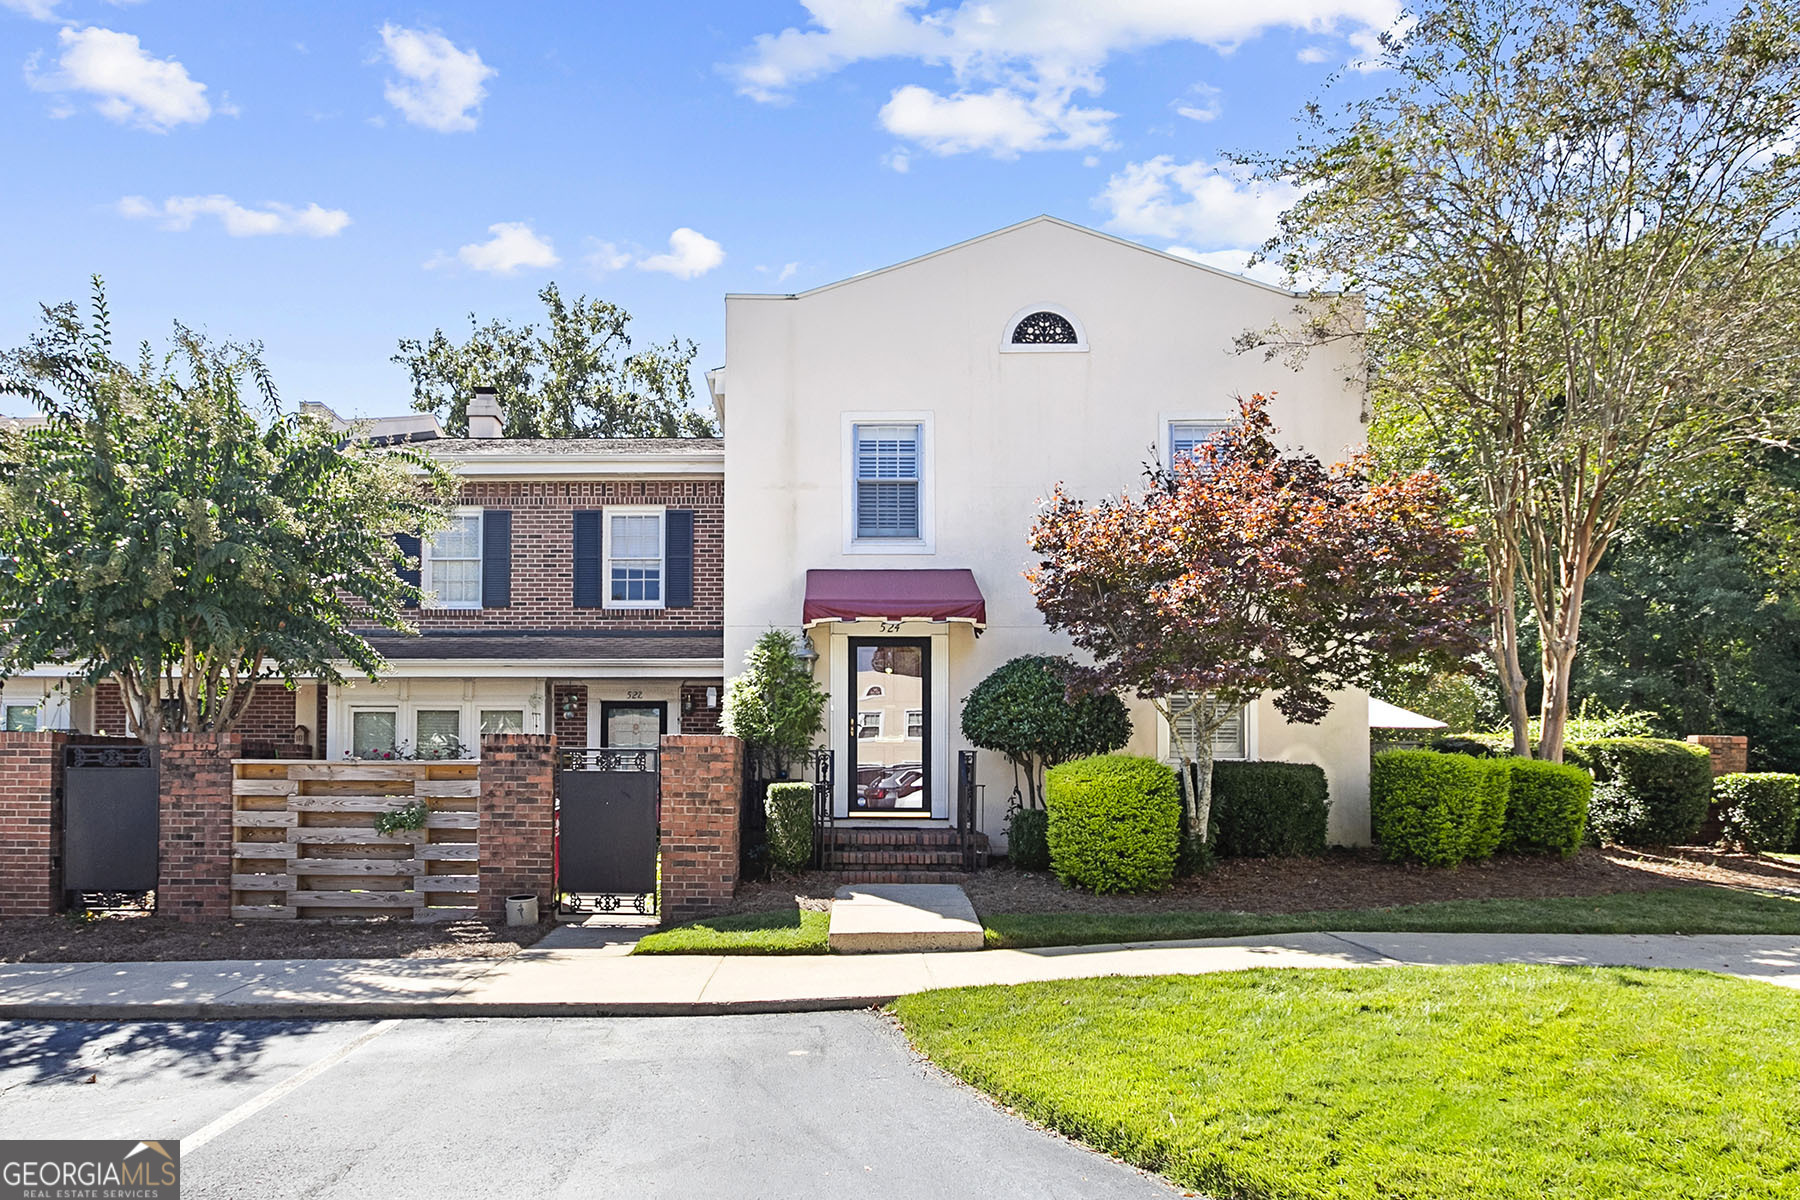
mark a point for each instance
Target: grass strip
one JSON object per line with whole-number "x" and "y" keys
{"x": 779, "y": 931}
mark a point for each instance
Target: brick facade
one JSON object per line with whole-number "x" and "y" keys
{"x": 1730, "y": 752}
{"x": 570, "y": 730}
{"x": 518, "y": 820}
{"x": 543, "y": 570}
{"x": 31, "y": 823}
{"x": 269, "y": 721}
{"x": 194, "y": 879}
{"x": 702, "y": 786}
{"x": 696, "y": 715}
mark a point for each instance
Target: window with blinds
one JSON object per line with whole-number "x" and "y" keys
{"x": 1228, "y": 740}
{"x": 453, "y": 563}
{"x": 1185, "y": 435}
{"x": 887, "y": 481}
{"x": 634, "y": 559}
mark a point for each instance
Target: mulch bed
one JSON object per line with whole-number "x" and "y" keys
{"x": 142, "y": 938}
{"x": 1340, "y": 879}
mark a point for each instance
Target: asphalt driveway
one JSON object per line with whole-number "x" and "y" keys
{"x": 822, "y": 1104}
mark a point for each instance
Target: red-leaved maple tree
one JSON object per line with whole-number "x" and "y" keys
{"x": 1247, "y": 571}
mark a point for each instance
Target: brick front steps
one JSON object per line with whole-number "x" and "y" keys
{"x": 889, "y": 855}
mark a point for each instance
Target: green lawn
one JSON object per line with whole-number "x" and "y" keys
{"x": 782, "y": 931}
{"x": 1500, "y": 1082}
{"x": 1671, "y": 910}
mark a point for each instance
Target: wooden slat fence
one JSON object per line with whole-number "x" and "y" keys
{"x": 305, "y": 843}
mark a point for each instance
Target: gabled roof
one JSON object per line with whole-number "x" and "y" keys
{"x": 1037, "y": 220}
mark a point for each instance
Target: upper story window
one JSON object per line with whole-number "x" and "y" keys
{"x": 1185, "y": 435}
{"x": 887, "y": 459}
{"x": 452, "y": 562}
{"x": 634, "y": 559}
{"x": 1043, "y": 327}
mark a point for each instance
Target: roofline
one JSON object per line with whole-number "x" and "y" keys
{"x": 563, "y": 466}
{"x": 1114, "y": 238}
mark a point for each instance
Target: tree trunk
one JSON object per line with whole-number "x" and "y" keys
{"x": 1200, "y": 818}
{"x": 1502, "y": 592}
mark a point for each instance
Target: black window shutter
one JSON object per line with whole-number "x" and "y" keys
{"x": 496, "y": 558}
{"x": 409, "y": 546}
{"x": 678, "y": 558}
{"x": 587, "y": 559}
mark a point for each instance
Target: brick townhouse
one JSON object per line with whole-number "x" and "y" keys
{"x": 578, "y": 589}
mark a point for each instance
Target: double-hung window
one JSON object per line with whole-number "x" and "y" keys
{"x": 634, "y": 559}
{"x": 1229, "y": 741}
{"x": 452, "y": 563}
{"x": 886, "y": 459}
{"x": 1185, "y": 435}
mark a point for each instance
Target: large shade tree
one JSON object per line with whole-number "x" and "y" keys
{"x": 1247, "y": 571}
{"x": 1566, "y": 234}
{"x": 576, "y": 376}
{"x": 164, "y": 527}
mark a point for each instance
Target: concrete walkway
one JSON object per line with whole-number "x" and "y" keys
{"x": 599, "y": 981}
{"x": 885, "y": 918}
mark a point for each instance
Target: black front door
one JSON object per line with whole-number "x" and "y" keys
{"x": 633, "y": 724}
{"x": 890, "y": 727}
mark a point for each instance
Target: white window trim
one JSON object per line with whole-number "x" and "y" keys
{"x": 880, "y": 724}
{"x": 1165, "y": 444}
{"x": 37, "y": 708}
{"x": 926, "y": 542}
{"x": 425, "y": 581}
{"x": 660, "y": 512}
{"x": 1078, "y": 346}
{"x": 1165, "y": 739}
{"x": 910, "y": 714}
{"x": 350, "y": 723}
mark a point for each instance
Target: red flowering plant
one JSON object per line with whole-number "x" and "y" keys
{"x": 1244, "y": 570}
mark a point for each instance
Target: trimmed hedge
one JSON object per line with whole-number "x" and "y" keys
{"x": 1546, "y": 806}
{"x": 790, "y": 811}
{"x": 1028, "y": 839}
{"x": 1647, "y": 791}
{"x": 1757, "y": 811}
{"x": 1114, "y": 821}
{"x": 1268, "y": 809}
{"x": 1438, "y": 809}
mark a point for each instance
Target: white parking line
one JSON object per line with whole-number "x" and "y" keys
{"x": 263, "y": 1099}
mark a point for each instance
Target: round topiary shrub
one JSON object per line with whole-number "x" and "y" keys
{"x": 1024, "y": 710}
{"x": 1028, "y": 839}
{"x": 789, "y": 807}
{"x": 1114, "y": 822}
{"x": 1546, "y": 807}
{"x": 1647, "y": 791}
{"x": 1268, "y": 809}
{"x": 1757, "y": 811}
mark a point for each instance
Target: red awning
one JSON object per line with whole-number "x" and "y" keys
{"x": 905, "y": 595}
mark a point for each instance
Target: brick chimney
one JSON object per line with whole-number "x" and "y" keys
{"x": 484, "y": 414}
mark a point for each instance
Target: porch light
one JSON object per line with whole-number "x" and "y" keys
{"x": 805, "y": 653}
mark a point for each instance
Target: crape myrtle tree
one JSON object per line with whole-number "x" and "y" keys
{"x": 577, "y": 376}
{"x": 1565, "y": 235}
{"x": 1245, "y": 571}
{"x": 165, "y": 528}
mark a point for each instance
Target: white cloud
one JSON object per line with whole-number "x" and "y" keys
{"x": 440, "y": 86}
{"x": 180, "y": 213}
{"x": 602, "y": 257}
{"x": 897, "y": 160}
{"x": 37, "y": 10}
{"x": 691, "y": 255}
{"x": 1017, "y": 64}
{"x": 1216, "y": 204}
{"x": 1235, "y": 261}
{"x": 1002, "y": 122}
{"x": 787, "y": 272}
{"x": 129, "y": 86}
{"x": 513, "y": 245}
{"x": 1203, "y": 104}
{"x": 1313, "y": 54}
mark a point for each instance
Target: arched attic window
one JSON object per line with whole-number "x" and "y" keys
{"x": 1043, "y": 327}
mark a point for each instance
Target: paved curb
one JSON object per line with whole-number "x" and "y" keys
{"x": 381, "y": 1010}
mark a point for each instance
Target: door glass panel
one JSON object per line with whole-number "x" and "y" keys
{"x": 634, "y": 727}
{"x": 890, "y": 727}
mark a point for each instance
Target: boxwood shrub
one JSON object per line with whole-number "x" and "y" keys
{"x": 1757, "y": 811}
{"x": 1114, "y": 821}
{"x": 1546, "y": 806}
{"x": 1647, "y": 791}
{"x": 1028, "y": 839}
{"x": 790, "y": 811}
{"x": 1438, "y": 809}
{"x": 1268, "y": 809}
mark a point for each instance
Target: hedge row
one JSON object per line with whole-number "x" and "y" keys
{"x": 789, "y": 808}
{"x": 1757, "y": 811}
{"x": 1444, "y": 809}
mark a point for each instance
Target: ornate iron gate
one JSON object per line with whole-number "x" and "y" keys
{"x": 607, "y": 808}
{"x": 110, "y": 820}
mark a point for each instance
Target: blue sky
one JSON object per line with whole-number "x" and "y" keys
{"x": 330, "y": 177}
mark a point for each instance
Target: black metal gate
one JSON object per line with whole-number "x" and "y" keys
{"x": 607, "y": 809}
{"x": 110, "y": 821}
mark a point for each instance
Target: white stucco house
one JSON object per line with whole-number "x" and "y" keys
{"x": 888, "y": 439}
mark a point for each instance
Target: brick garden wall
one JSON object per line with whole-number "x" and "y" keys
{"x": 1730, "y": 752}
{"x": 702, "y": 782}
{"x": 194, "y": 879}
{"x": 31, "y": 823}
{"x": 518, "y": 792}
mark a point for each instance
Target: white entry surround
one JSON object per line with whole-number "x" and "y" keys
{"x": 927, "y": 344}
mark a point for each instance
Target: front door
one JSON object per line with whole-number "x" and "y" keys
{"x": 633, "y": 724}
{"x": 890, "y": 727}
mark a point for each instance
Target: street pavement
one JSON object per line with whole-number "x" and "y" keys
{"x": 830, "y": 1104}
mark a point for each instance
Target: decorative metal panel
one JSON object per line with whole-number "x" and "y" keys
{"x": 1044, "y": 328}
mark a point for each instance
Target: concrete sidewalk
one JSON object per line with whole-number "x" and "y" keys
{"x": 603, "y": 982}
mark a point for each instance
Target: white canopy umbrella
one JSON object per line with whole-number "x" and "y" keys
{"x": 1383, "y": 715}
